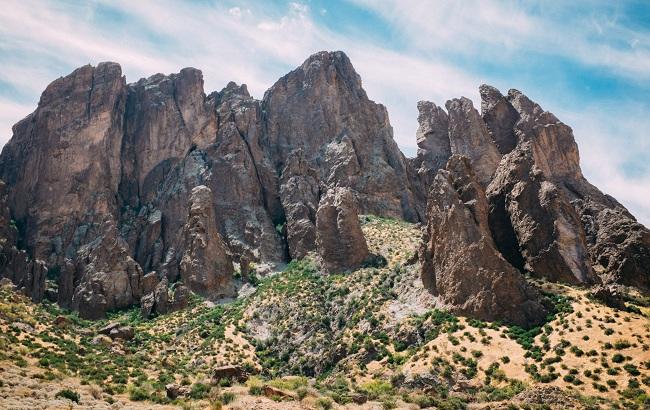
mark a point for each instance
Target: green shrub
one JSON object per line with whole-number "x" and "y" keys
{"x": 324, "y": 403}
{"x": 227, "y": 397}
{"x": 199, "y": 391}
{"x": 68, "y": 394}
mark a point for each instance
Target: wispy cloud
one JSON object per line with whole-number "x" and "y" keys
{"x": 415, "y": 50}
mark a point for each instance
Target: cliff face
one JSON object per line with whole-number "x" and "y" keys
{"x": 544, "y": 217}
{"x": 101, "y": 180}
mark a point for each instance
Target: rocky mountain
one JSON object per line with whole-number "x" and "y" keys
{"x": 135, "y": 193}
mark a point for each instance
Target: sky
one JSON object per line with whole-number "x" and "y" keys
{"x": 587, "y": 61}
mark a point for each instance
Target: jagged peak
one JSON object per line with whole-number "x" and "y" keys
{"x": 456, "y": 104}
{"x": 490, "y": 96}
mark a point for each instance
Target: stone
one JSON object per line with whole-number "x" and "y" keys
{"x": 232, "y": 372}
{"x": 339, "y": 238}
{"x": 15, "y": 264}
{"x": 116, "y": 331}
{"x": 102, "y": 340}
{"x": 63, "y": 162}
{"x": 610, "y": 295}
{"x": 500, "y": 117}
{"x": 619, "y": 246}
{"x": 61, "y": 321}
{"x": 206, "y": 266}
{"x": 322, "y": 109}
{"x": 460, "y": 262}
{"x": 275, "y": 393}
{"x": 175, "y": 391}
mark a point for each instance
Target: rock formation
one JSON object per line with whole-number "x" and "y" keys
{"x": 340, "y": 241}
{"x": 548, "y": 231}
{"x": 108, "y": 277}
{"x": 28, "y": 275}
{"x": 322, "y": 109}
{"x": 460, "y": 261}
{"x": 206, "y": 267}
{"x": 432, "y": 137}
{"x": 99, "y": 177}
{"x": 300, "y": 193}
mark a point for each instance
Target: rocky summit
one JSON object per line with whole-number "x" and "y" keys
{"x": 213, "y": 248}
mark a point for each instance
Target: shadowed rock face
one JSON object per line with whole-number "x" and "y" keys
{"x": 28, "y": 275}
{"x": 340, "y": 241}
{"x": 547, "y": 229}
{"x": 462, "y": 265}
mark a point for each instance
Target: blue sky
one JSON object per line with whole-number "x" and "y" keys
{"x": 588, "y": 62}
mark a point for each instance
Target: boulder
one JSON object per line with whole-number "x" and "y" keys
{"x": 339, "y": 238}
{"x": 232, "y": 372}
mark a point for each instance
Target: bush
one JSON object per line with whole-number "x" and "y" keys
{"x": 138, "y": 394}
{"x": 68, "y": 394}
{"x": 227, "y": 397}
{"x": 324, "y": 403}
{"x": 199, "y": 391}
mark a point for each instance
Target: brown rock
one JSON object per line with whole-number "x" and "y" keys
{"x": 322, "y": 109}
{"x": 548, "y": 231}
{"x": 109, "y": 277}
{"x": 460, "y": 262}
{"x": 274, "y": 392}
{"x": 432, "y": 136}
{"x": 299, "y": 191}
{"x": 231, "y": 372}
{"x": 500, "y": 117}
{"x": 206, "y": 267}
{"x": 175, "y": 391}
{"x": 610, "y": 295}
{"x": 15, "y": 265}
{"x": 340, "y": 241}
{"x": 63, "y": 162}
{"x": 469, "y": 136}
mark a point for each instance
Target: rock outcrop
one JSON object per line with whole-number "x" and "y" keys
{"x": 206, "y": 266}
{"x": 15, "y": 264}
{"x": 432, "y": 137}
{"x": 460, "y": 261}
{"x": 468, "y": 136}
{"x": 340, "y": 241}
{"x": 322, "y": 109}
{"x": 300, "y": 193}
{"x": 546, "y": 227}
{"x": 63, "y": 163}
{"x": 109, "y": 278}
{"x": 100, "y": 175}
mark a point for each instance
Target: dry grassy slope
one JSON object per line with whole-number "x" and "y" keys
{"x": 371, "y": 333}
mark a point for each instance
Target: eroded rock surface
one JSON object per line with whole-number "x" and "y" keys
{"x": 340, "y": 241}
{"x": 206, "y": 266}
{"x": 460, "y": 261}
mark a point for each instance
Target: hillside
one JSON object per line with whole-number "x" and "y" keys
{"x": 373, "y": 335}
